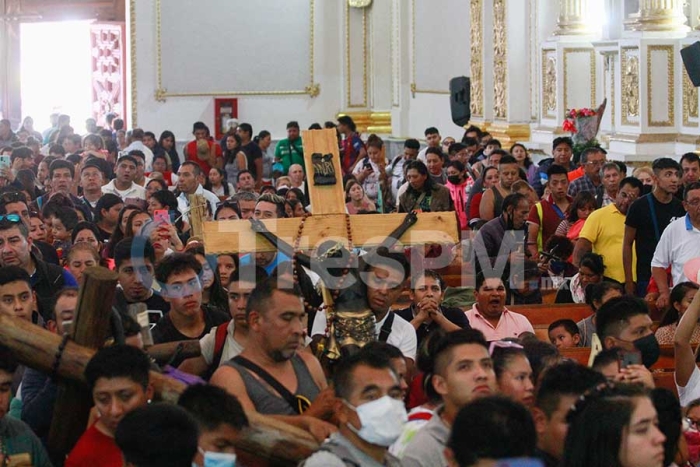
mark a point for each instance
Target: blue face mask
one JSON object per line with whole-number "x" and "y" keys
{"x": 217, "y": 459}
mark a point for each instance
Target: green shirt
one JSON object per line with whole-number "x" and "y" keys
{"x": 290, "y": 153}
{"x": 18, "y": 438}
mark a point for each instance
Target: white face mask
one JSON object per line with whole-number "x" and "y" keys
{"x": 382, "y": 420}
{"x": 217, "y": 459}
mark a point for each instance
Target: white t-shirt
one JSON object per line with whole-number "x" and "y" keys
{"x": 691, "y": 391}
{"x": 679, "y": 243}
{"x": 403, "y": 335}
{"x": 231, "y": 346}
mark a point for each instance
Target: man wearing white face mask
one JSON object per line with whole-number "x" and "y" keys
{"x": 370, "y": 412}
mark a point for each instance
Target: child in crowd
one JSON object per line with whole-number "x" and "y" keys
{"x": 62, "y": 224}
{"x": 564, "y": 334}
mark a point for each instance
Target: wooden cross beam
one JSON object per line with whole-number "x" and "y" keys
{"x": 266, "y": 439}
{"x": 328, "y": 209}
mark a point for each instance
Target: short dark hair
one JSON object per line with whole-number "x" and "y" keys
{"x": 67, "y": 216}
{"x": 391, "y": 351}
{"x": 57, "y": 149}
{"x": 506, "y": 159}
{"x": 614, "y": 315}
{"x": 689, "y": 188}
{"x": 195, "y": 167}
{"x": 255, "y": 274}
{"x": 165, "y": 198}
{"x": 136, "y": 153}
{"x": 343, "y": 380}
{"x": 470, "y": 141}
{"x": 605, "y": 358}
{"x": 442, "y": 344}
{"x": 436, "y": 151}
{"x": 9, "y": 274}
{"x": 431, "y": 130}
{"x": 483, "y": 275}
{"x": 348, "y": 121}
{"x": 176, "y": 263}
{"x": 664, "y": 163}
{"x": 212, "y": 407}
{"x": 555, "y": 169}
{"x": 261, "y": 295}
{"x": 127, "y": 158}
{"x": 158, "y": 435}
{"x": 512, "y": 200}
{"x": 493, "y": 427}
{"x": 454, "y": 148}
{"x": 456, "y": 164}
{"x": 595, "y": 292}
{"x": 199, "y": 126}
{"x": 567, "y": 378}
{"x": 562, "y": 140}
{"x": 383, "y": 257}
{"x": 277, "y": 200}
{"x": 8, "y": 362}
{"x": 124, "y": 250}
{"x": 22, "y": 152}
{"x": 118, "y": 361}
{"x": 106, "y": 202}
{"x": 690, "y": 157}
{"x": 569, "y": 326}
{"x": 7, "y": 224}
{"x": 293, "y": 124}
{"x": 61, "y": 164}
{"x": 244, "y": 171}
{"x": 634, "y": 182}
{"x": 411, "y": 144}
{"x": 427, "y": 273}
{"x": 247, "y": 127}
{"x": 594, "y": 262}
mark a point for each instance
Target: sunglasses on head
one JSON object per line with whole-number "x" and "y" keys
{"x": 11, "y": 218}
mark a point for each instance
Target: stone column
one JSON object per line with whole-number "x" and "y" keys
{"x": 572, "y": 18}
{"x": 659, "y": 15}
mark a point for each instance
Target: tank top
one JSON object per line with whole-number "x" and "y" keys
{"x": 268, "y": 403}
{"x": 497, "y": 202}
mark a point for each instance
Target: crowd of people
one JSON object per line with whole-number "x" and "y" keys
{"x": 425, "y": 378}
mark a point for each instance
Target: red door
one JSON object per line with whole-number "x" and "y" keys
{"x": 107, "y": 41}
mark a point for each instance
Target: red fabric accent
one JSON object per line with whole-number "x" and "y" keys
{"x": 420, "y": 416}
{"x": 416, "y": 395}
{"x": 576, "y": 174}
{"x": 191, "y": 154}
{"x": 474, "y": 206}
{"x": 95, "y": 449}
{"x": 219, "y": 342}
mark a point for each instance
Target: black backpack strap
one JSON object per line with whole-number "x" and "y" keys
{"x": 269, "y": 379}
{"x": 386, "y": 327}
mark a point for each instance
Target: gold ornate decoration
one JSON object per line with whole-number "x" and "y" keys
{"x": 509, "y": 133}
{"x": 592, "y": 73}
{"x": 132, "y": 62}
{"x": 359, "y": 3}
{"x": 629, "y": 64}
{"x": 414, "y": 87}
{"x": 656, "y": 15}
{"x": 690, "y": 102}
{"x": 549, "y": 83}
{"x": 571, "y": 20}
{"x": 500, "y": 61}
{"x": 612, "y": 90}
{"x": 161, "y": 93}
{"x": 670, "y": 109}
{"x": 370, "y": 122}
{"x": 348, "y": 75}
{"x": 476, "y": 67}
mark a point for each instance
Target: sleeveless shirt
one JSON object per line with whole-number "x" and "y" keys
{"x": 269, "y": 403}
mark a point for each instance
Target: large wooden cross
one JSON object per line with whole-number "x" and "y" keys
{"x": 328, "y": 219}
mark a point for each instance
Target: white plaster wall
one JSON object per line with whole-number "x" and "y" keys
{"x": 262, "y": 112}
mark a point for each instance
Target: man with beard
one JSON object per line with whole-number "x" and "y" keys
{"x": 272, "y": 376}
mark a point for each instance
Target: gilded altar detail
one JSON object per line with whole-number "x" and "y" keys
{"x": 549, "y": 83}
{"x": 690, "y": 102}
{"x": 630, "y": 85}
{"x": 500, "y": 62}
{"x": 476, "y": 67}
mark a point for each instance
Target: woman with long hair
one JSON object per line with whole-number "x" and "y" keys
{"x": 614, "y": 426}
{"x": 582, "y": 206}
{"x": 217, "y": 184}
{"x": 490, "y": 178}
{"x": 167, "y": 142}
{"x": 355, "y": 198}
{"x": 234, "y": 159}
{"x": 679, "y": 301}
{"x": 119, "y": 231}
{"x": 264, "y": 142}
{"x": 521, "y": 155}
{"x": 590, "y": 271}
{"x": 513, "y": 372}
{"x": 213, "y": 294}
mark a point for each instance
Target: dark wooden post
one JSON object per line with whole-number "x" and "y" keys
{"x": 91, "y": 328}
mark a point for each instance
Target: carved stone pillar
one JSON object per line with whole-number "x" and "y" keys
{"x": 659, "y": 15}
{"x": 572, "y": 18}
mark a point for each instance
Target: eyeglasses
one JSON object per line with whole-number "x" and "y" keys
{"x": 503, "y": 345}
{"x": 11, "y": 218}
{"x": 596, "y": 163}
{"x": 694, "y": 203}
{"x": 694, "y": 424}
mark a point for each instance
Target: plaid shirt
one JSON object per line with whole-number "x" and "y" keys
{"x": 580, "y": 185}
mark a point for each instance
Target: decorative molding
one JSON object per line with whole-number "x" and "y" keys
{"x": 655, "y": 15}
{"x": 670, "y": 109}
{"x": 549, "y": 83}
{"x": 629, "y": 74}
{"x": 395, "y": 54}
{"x": 348, "y": 75}
{"x": 509, "y": 133}
{"x": 690, "y": 102}
{"x": 532, "y": 60}
{"x": 368, "y": 121}
{"x": 645, "y": 138}
{"x": 500, "y": 61}
{"x": 132, "y": 64}
{"x": 571, "y": 20}
{"x": 414, "y": 87}
{"x": 477, "y": 65}
{"x": 161, "y": 94}
{"x": 592, "y": 73}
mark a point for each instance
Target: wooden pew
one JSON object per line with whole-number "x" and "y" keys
{"x": 665, "y": 363}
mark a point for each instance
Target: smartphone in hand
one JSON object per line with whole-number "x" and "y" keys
{"x": 161, "y": 216}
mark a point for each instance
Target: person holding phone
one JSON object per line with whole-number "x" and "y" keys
{"x": 371, "y": 174}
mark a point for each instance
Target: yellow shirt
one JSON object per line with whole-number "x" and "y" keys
{"x": 605, "y": 229}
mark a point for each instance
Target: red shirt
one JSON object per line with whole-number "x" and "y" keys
{"x": 551, "y": 217}
{"x": 191, "y": 154}
{"x": 95, "y": 449}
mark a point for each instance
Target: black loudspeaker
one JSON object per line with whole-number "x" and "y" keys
{"x": 691, "y": 60}
{"x": 460, "y": 100}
